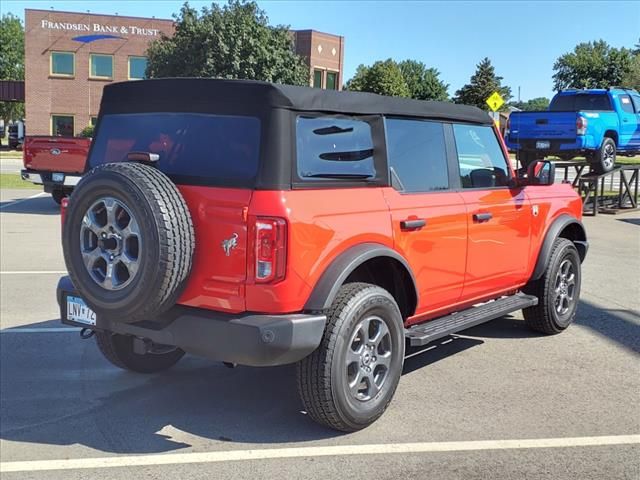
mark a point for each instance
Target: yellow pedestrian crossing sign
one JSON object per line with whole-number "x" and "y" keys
{"x": 495, "y": 101}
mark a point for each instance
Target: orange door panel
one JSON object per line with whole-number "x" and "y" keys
{"x": 498, "y": 243}
{"x": 437, "y": 250}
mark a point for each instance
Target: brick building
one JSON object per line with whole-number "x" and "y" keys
{"x": 70, "y": 57}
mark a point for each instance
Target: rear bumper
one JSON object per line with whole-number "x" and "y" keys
{"x": 246, "y": 339}
{"x": 68, "y": 180}
{"x": 576, "y": 144}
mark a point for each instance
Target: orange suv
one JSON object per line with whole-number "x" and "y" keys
{"x": 263, "y": 224}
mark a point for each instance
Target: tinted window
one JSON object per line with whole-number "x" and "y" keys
{"x": 137, "y": 67}
{"x": 636, "y": 102}
{"x": 580, "y": 102}
{"x": 222, "y": 150}
{"x": 625, "y": 102}
{"x": 417, "y": 155}
{"x": 481, "y": 159}
{"x": 101, "y": 66}
{"x": 334, "y": 148}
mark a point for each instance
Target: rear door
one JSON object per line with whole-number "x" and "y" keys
{"x": 628, "y": 135}
{"x": 428, "y": 216}
{"x": 214, "y": 160}
{"x": 499, "y": 217}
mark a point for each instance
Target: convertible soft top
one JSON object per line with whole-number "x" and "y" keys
{"x": 208, "y": 95}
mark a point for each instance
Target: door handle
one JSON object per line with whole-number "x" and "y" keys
{"x": 413, "y": 224}
{"x": 482, "y": 217}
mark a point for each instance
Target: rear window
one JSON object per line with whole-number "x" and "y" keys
{"x": 193, "y": 148}
{"x": 334, "y": 149}
{"x": 581, "y": 102}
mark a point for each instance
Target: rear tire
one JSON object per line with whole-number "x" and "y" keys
{"x": 604, "y": 160}
{"x": 57, "y": 195}
{"x": 558, "y": 290}
{"x": 118, "y": 349}
{"x": 349, "y": 381}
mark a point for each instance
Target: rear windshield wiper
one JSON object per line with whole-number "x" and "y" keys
{"x": 352, "y": 156}
{"x": 352, "y": 176}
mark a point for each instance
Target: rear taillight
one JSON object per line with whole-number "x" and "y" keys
{"x": 581, "y": 126}
{"x": 270, "y": 249}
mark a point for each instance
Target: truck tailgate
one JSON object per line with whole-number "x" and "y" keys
{"x": 542, "y": 125}
{"x": 56, "y": 154}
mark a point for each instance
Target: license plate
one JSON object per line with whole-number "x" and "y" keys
{"x": 543, "y": 145}
{"x": 57, "y": 177}
{"x": 77, "y": 311}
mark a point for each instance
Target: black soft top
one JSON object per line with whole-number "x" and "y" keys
{"x": 207, "y": 95}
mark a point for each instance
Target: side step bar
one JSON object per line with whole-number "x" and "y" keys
{"x": 425, "y": 333}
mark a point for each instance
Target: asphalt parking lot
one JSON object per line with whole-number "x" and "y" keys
{"x": 496, "y": 402}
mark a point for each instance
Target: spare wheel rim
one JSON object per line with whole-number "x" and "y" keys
{"x": 110, "y": 243}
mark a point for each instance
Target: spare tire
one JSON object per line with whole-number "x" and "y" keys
{"x": 128, "y": 241}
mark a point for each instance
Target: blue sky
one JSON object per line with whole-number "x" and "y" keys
{"x": 523, "y": 39}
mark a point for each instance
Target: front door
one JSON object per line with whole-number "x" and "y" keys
{"x": 629, "y": 134}
{"x": 429, "y": 219}
{"x": 499, "y": 217}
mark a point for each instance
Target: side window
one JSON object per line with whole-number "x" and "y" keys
{"x": 625, "y": 101}
{"x": 417, "y": 155}
{"x": 482, "y": 161}
{"x": 636, "y": 102}
{"x": 334, "y": 148}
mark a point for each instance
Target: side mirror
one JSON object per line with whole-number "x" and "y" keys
{"x": 541, "y": 172}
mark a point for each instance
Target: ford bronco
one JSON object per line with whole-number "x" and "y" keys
{"x": 263, "y": 224}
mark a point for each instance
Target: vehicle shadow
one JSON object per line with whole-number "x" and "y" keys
{"x": 43, "y": 205}
{"x": 633, "y": 221}
{"x": 57, "y": 389}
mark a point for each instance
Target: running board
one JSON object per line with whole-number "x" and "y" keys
{"x": 427, "y": 332}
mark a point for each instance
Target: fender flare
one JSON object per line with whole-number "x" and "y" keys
{"x": 553, "y": 232}
{"x": 326, "y": 289}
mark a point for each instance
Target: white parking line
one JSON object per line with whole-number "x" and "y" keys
{"x": 33, "y": 272}
{"x": 339, "y": 450}
{"x": 15, "y": 202}
{"x": 41, "y": 330}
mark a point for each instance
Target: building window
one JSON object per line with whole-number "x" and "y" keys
{"x": 63, "y": 64}
{"x": 101, "y": 66}
{"x": 137, "y": 68}
{"x": 93, "y": 121}
{"x": 62, "y": 125}
{"x": 332, "y": 81}
{"x": 317, "y": 78}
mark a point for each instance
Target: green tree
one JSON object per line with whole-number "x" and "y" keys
{"x": 230, "y": 41}
{"x": 482, "y": 84}
{"x": 11, "y": 62}
{"x": 592, "y": 65}
{"x": 383, "y": 77}
{"x": 535, "y": 104}
{"x": 423, "y": 82}
{"x": 87, "y": 132}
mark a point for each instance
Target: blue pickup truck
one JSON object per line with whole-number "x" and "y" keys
{"x": 595, "y": 123}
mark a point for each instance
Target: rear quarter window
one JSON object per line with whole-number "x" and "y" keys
{"x": 329, "y": 148}
{"x": 216, "y": 150}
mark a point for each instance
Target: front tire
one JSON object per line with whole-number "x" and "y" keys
{"x": 118, "y": 349}
{"x": 558, "y": 290}
{"x": 349, "y": 381}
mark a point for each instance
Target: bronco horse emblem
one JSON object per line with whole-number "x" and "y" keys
{"x": 229, "y": 244}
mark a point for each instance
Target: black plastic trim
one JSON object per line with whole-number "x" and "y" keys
{"x": 326, "y": 290}
{"x": 553, "y": 232}
{"x": 256, "y": 340}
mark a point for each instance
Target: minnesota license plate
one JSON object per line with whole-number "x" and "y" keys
{"x": 77, "y": 311}
{"x": 57, "y": 177}
{"x": 543, "y": 145}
